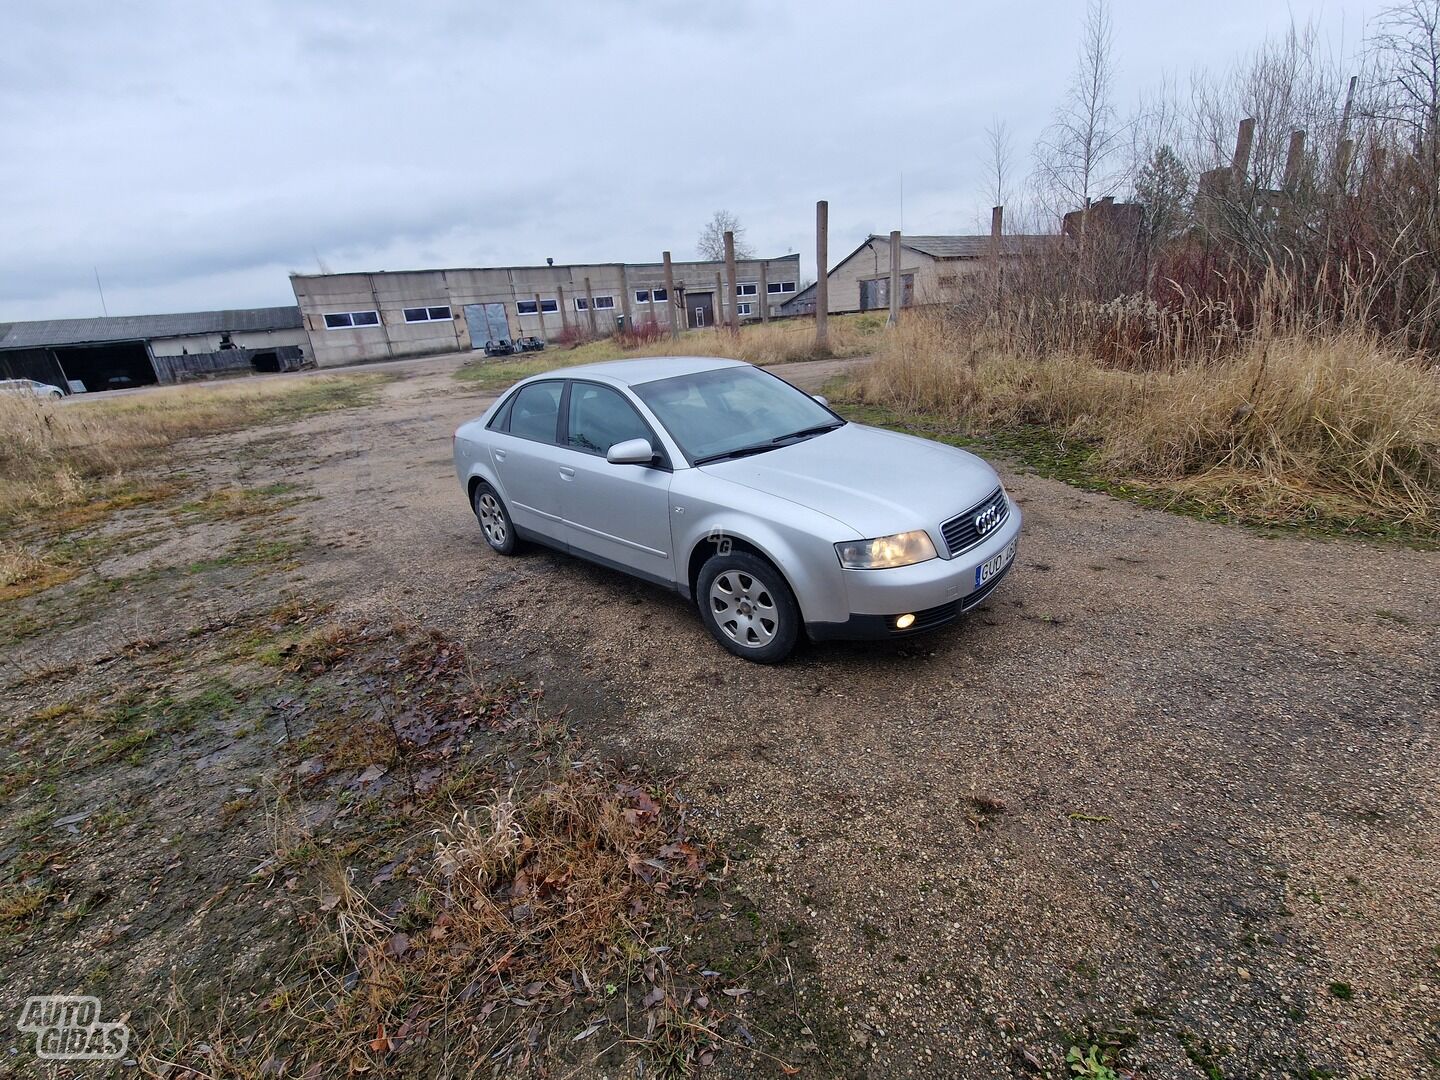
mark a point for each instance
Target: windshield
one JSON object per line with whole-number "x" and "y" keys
{"x": 714, "y": 414}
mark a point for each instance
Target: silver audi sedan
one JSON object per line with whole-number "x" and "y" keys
{"x": 729, "y": 485}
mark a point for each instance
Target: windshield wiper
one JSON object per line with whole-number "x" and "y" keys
{"x": 743, "y": 451}
{"x": 805, "y": 433}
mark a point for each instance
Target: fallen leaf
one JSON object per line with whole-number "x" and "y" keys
{"x": 397, "y": 945}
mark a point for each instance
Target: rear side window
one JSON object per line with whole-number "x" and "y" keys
{"x": 600, "y": 417}
{"x": 536, "y": 411}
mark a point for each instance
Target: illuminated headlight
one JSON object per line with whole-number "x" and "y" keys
{"x": 902, "y": 549}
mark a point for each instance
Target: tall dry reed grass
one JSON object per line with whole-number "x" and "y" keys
{"x": 1287, "y": 426}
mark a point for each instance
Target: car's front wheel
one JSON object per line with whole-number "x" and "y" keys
{"x": 494, "y": 519}
{"x": 747, "y": 605}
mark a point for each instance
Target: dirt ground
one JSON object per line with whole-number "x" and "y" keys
{"x": 1175, "y": 787}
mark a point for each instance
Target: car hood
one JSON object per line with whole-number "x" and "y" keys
{"x": 877, "y": 482}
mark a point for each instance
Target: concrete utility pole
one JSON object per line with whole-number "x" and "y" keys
{"x": 1240, "y": 164}
{"x": 560, "y": 303}
{"x": 590, "y": 304}
{"x": 894, "y": 278}
{"x": 625, "y": 295}
{"x": 997, "y": 226}
{"x": 734, "y": 285}
{"x": 719, "y": 300}
{"x": 762, "y": 292}
{"x": 540, "y": 314}
{"x": 670, "y": 297}
{"x": 822, "y": 266}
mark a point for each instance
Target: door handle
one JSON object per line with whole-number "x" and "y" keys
{"x": 567, "y": 472}
{"x": 499, "y": 455}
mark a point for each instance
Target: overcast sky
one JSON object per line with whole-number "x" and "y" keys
{"x": 198, "y": 152}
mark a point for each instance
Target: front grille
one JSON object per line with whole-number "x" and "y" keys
{"x": 960, "y": 531}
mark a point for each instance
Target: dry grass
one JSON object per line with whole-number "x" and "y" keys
{"x": 22, "y": 572}
{"x": 780, "y": 342}
{"x": 528, "y": 904}
{"x": 54, "y": 457}
{"x": 1284, "y": 428}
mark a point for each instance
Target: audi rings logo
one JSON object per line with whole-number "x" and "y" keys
{"x": 988, "y": 518}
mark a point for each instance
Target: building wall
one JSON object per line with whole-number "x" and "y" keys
{"x": 934, "y": 278}
{"x": 872, "y": 261}
{"x": 390, "y": 293}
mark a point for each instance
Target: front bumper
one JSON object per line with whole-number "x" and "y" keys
{"x": 936, "y": 592}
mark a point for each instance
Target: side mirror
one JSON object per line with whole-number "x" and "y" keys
{"x": 821, "y": 398}
{"x": 631, "y": 452}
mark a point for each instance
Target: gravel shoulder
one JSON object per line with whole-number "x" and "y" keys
{"x": 1174, "y": 784}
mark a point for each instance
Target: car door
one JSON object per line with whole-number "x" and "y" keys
{"x": 618, "y": 514}
{"x": 529, "y": 460}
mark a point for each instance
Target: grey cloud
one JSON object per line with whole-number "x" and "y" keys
{"x": 195, "y": 152}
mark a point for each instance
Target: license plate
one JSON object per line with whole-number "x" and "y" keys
{"x": 993, "y": 565}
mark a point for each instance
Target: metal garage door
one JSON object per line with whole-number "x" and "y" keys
{"x": 487, "y": 322}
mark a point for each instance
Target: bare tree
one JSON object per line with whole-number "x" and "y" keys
{"x": 1407, "y": 49}
{"x": 1076, "y": 159}
{"x": 711, "y": 245}
{"x": 1289, "y": 83}
{"x": 1001, "y": 161}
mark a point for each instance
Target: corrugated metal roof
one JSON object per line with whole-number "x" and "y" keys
{"x": 970, "y": 247}
{"x": 32, "y": 335}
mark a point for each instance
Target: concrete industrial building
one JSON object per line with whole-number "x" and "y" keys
{"x": 930, "y": 269}
{"x": 139, "y": 350}
{"x": 385, "y": 314}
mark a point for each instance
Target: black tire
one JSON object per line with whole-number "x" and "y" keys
{"x": 760, "y": 591}
{"x": 494, "y": 519}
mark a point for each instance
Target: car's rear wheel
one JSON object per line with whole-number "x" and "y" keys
{"x": 494, "y": 519}
{"x": 747, "y": 605}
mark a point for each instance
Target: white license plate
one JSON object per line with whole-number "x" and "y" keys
{"x": 993, "y": 565}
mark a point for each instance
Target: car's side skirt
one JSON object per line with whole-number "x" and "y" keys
{"x": 598, "y": 560}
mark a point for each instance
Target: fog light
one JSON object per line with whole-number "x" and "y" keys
{"x": 904, "y": 622}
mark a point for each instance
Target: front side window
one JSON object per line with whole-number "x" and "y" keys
{"x": 601, "y": 417}
{"x": 536, "y": 411}
{"x": 343, "y": 320}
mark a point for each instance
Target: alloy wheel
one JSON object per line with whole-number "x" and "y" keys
{"x": 492, "y": 519}
{"x": 744, "y": 609}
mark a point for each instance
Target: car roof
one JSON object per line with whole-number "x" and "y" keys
{"x": 644, "y": 370}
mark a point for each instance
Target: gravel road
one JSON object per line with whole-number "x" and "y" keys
{"x": 1217, "y": 755}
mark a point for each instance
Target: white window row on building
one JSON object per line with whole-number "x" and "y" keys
{"x": 347, "y": 320}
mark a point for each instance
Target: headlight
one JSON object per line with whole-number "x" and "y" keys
{"x": 902, "y": 549}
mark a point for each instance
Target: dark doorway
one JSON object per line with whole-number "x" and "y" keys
{"x": 700, "y": 309}
{"x": 268, "y": 360}
{"x": 108, "y": 367}
{"x": 37, "y": 364}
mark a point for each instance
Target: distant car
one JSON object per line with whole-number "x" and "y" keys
{"x": 729, "y": 485}
{"x": 529, "y": 344}
{"x": 31, "y": 387}
{"x": 502, "y": 347}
